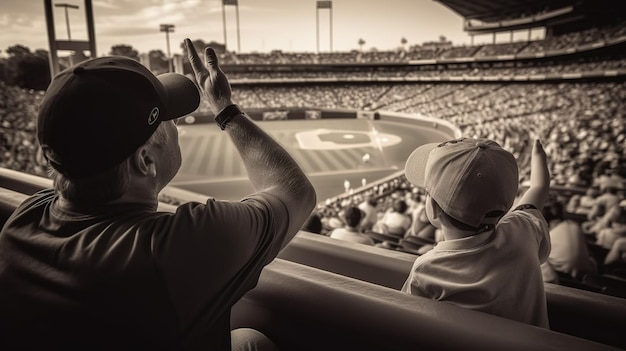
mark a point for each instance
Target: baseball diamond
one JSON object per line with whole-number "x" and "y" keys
{"x": 330, "y": 151}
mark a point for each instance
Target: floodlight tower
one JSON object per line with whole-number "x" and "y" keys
{"x": 69, "y": 45}
{"x": 67, "y": 22}
{"x": 168, "y": 28}
{"x": 236, "y": 4}
{"x": 321, "y": 5}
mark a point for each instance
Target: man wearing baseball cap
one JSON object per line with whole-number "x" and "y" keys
{"x": 92, "y": 264}
{"x": 490, "y": 257}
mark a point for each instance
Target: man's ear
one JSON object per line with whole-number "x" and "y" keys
{"x": 144, "y": 161}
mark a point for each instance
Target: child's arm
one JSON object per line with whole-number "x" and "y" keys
{"x": 537, "y": 193}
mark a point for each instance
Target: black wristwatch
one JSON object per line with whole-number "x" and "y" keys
{"x": 227, "y": 114}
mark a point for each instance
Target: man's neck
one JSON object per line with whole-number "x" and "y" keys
{"x": 67, "y": 205}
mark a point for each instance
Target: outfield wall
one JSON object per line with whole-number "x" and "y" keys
{"x": 422, "y": 121}
{"x": 296, "y": 113}
{"x": 258, "y": 114}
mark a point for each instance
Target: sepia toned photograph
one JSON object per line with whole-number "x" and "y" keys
{"x": 312, "y": 175}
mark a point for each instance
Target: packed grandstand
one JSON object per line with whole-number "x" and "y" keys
{"x": 568, "y": 90}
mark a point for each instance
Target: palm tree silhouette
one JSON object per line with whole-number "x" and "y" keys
{"x": 361, "y": 43}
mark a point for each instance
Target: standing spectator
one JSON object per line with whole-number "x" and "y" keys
{"x": 92, "y": 264}
{"x": 490, "y": 258}
{"x": 352, "y": 216}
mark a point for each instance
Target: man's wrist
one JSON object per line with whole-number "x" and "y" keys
{"x": 229, "y": 112}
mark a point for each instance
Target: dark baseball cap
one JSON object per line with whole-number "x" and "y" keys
{"x": 97, "y": 113}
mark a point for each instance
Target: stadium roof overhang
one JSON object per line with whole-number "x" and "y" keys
{"x": 484, "y": 16}
{"x": 498, "y": 10}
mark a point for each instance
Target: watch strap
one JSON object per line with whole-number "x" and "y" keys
{"x": 227, "y": 114}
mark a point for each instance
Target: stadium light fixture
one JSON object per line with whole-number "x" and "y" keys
{"x": 67, "y": 22}
{"x": 67, "y": 19}
{"x": 168, "y": 28}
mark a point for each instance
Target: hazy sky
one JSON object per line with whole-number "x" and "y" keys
{"x": 264, "y": 25}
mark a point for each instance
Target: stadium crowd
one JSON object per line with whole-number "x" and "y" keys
{"x": 18, "y": 143}
{"x": 609, "y": 31}
{"x": 465, "y": 70}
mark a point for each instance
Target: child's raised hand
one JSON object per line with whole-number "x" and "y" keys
{"x": 538, "y": 152}
{"x": 539, "y": 175}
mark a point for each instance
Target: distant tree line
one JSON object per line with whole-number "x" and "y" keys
{"x": 31, "y": 70}
{"x": 25, "y": 69}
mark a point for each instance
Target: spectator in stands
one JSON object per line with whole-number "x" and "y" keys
{"x": 608, "y": 197}
{"x": 331, "y": 219}
{"x": 605, "y": 212}
{"x": 351, "y": 231}
{"x": 93, "y": 264}
{"x": 420, "y": 225}
{"x": 568, "y": 254}
{"x": 617, "y": 254}
{"x": 395, "y": 221}
{"x": 573, "y": 204}
{"x": 371, "y": 213}
{"x": 587, "y": 200}
{"x": 614, "y": 228}
{"x": 490, "y": 258}
{"x": 313, "y": 224}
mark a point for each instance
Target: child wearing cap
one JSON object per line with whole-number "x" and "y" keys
{"x": 490, "y": 257}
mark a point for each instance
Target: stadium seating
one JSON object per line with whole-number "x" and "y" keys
{"x": 582, "y": 313}
{"x": 327, "y": 294}
{"x": 303, "y": 308}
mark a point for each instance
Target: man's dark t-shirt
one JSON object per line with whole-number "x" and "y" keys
{"x": 128, "y": 277}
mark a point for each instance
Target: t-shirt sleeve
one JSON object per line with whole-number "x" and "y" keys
{"x": 530, "y": 221}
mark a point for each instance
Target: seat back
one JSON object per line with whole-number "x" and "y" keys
{"x": 304, "y": 308}
{"x": 576, "y": 312}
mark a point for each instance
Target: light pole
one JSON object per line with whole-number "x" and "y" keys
{"x": 67, "y": 21}
{"x": 167, "y": 28}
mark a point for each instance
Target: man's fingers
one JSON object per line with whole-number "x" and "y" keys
{"x": 194, "y": 59}
{"x": 211, "y": 58}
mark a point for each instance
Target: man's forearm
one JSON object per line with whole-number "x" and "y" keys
{"x": 268, "y": 164}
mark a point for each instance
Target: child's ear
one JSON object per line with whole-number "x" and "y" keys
{"x": 434, "y": 210}
{"x": 433, "y": 207}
